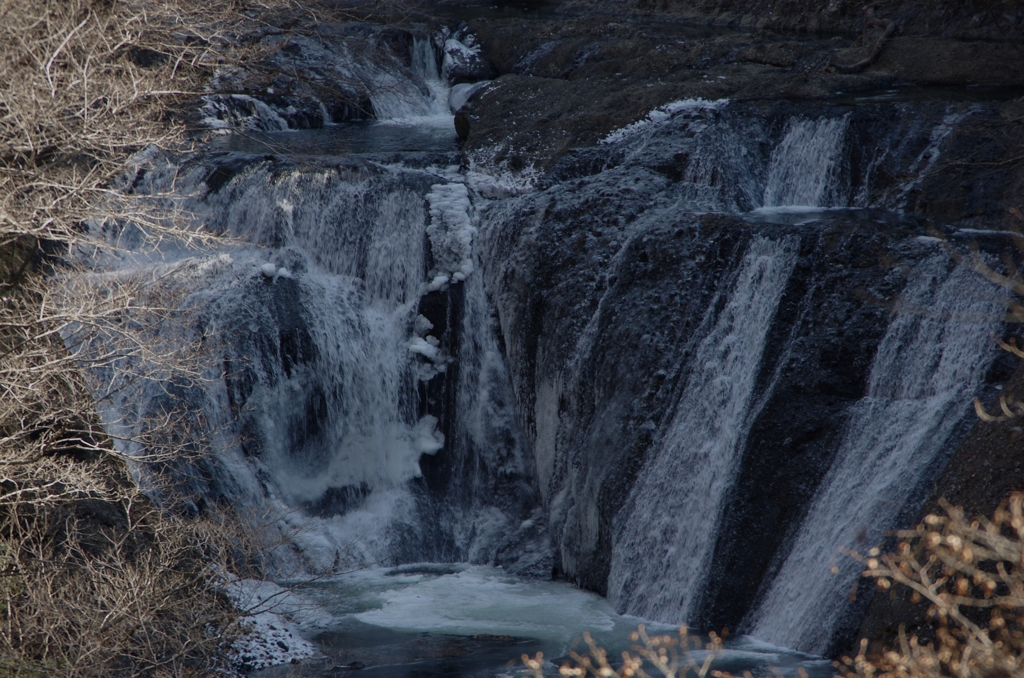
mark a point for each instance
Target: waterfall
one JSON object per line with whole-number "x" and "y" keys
{"x": 927, "y": 367}
{"x": 486, "y": 467}
{"x": 424, "y": 59}
{"x": 320, "y": 371}
{"x": 806, "y": 167}
{"x": 665, "y": 533}
{"x": 357, "y": 393}
{"x": 925, "y": 162}
{"x": 421, "y": 101}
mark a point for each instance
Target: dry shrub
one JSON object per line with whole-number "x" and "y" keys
{"x": 970, "y": 574}
{"x": 94, "y": 580}
{"x": 666, "y": 656}
{"x": 101, "y": 586}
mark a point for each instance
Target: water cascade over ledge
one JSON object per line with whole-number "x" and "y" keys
{"x": 651, "y": 371}
{"x": 694, "y": 466}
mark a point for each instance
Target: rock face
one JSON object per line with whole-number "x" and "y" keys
{"x": 1001, "y": 20}
{"x": 612, "y": 278}
{"x": 564, "y": 82}
{"x": 462, "y": 64}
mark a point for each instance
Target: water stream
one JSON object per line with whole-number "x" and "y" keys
{"x": 694, "y": 466}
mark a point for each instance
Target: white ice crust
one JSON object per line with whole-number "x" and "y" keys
{"x": 662, "y": 113}
{"x": 451, "y": 232}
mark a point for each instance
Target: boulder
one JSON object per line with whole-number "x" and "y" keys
{"x": 464, "y": 64}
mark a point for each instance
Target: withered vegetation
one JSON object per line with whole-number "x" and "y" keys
{"x": 970, "y": 575}
{"x": 95, "y": 580}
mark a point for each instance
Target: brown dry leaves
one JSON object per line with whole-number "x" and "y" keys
{"x": 93, "y": 579}
{"x": 970, "y": 573}
{"x": 662, "y": 656}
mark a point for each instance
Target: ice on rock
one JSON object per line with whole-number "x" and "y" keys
{"x": 273, "y": 618}
{"x": 428, "y": 439}
{"x": 423, "y": 325}
{"x": 438, "y": 283}
{"x": 426, "y": 347}
{"x": 463, "y": 63}
{"x": 663, "y": 113}
{"x": 429, "y": 348}
{"x": 227, "y": 112}
{"x": 451, "y": 233}
{"x": 271, "y": 270}
{"x": 461, "y": 93}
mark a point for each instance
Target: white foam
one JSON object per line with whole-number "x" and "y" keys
{"x": 386, "y": 456}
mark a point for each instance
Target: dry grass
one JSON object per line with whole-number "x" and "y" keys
{"x": 658, "y": 656}
{"x": 95, "y": 581}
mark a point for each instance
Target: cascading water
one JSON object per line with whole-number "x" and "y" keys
{"x": 658, "y": 435}
{"x": 327, "y": 388}
{"x": 363, "y": 395}
{"x": 806, "y": 166}
{"x": 665, "y": 532}
{"x": 927, "y": 367}
{"x": 392, "y": 100}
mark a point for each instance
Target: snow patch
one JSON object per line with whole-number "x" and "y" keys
{"x": 272, "y": 620}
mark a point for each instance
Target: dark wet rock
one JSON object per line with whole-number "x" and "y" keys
{"x": 780, "y": 55}
{"x": 313, "y": 75}
{"x": 1001, "y": 20}
{"x": 462, "y": 124}
{"x": 566, "y": 82}
{"x": 603, "y": 277}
